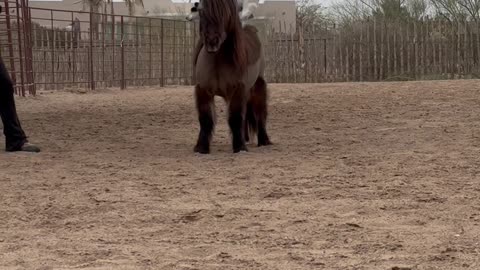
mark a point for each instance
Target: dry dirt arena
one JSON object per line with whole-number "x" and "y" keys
{"x": 361, "y": 176}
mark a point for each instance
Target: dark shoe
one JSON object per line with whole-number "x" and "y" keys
{"x": 28, "y": 147}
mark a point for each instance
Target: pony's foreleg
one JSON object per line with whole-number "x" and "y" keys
{"x": 258, "y": 99}
{"x": 236, "y": 118}
{"x": 204, "y": 103}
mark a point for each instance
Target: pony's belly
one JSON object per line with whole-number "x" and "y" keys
{"x": 215, "y": 79}
{"x": 218, "y": 79}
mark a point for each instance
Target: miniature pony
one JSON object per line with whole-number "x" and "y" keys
{"x": 229, "y": 63}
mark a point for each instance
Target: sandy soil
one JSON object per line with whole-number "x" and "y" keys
{"x": 362, "y": 176}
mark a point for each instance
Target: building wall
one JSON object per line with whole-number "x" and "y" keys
{"x": 278, "y": 12}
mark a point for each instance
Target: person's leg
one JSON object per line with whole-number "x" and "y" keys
{"x": 15, "y": 137}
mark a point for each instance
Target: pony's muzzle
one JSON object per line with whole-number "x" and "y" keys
{"x": 212, "y": 49}
{"x": 212, "y": 45}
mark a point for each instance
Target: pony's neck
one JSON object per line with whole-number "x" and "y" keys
{"x": 233, "y": 50}
{"x": 229, "y": 45}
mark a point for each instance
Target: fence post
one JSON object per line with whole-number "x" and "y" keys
{"x": 20, "y": 49}
{"x": 75, "y": 44}
{"x": 112, "y": 82}
{"x": 477, "y": 42}
{"x": 360, "y": 51}
{"x": 194, "y": 36}
{"x": 10, "y": 44}
{"x": 149, "y": 51}
{"x": 325, "y": 57}
{"x": 415, "y": 49}
{"x": 32, "y": 88}
{"x": 333, "y": 60}
{"x": 27, "y": 45}
{"x": 184, "y": 43}
{"x": 104, "y": 27}
{"x": 162, "y": 77}
{"x": 123, "y": 85}
{"x": 375, "y": 51}
{"x": 174, "y": 48}
{"x": 137, "y": 48}
{"x": 274, "y": 36}
{"x": 92, "y": 79}
{"x": 53, "y": 49}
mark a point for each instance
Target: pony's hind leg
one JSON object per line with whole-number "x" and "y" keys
{"x": 236, "y": 117}
{"x": 204, "y": 101}
{"x": 258, "y": 99}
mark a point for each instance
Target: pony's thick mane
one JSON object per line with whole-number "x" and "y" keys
{"x": 225, "y": 14}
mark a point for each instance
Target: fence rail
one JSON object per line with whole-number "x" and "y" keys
{"x": 376, "y": 50}
{"x": 57, "y": 49}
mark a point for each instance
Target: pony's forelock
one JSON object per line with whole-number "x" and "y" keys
{"x": 225, "y": 14}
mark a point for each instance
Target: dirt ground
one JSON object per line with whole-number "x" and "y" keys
{"x": 361, "y": 176}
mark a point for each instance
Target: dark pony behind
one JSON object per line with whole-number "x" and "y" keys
{"x": 229, "y": 62}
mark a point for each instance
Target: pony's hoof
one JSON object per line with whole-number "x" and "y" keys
{"x": 240, "y": 149}
{"x": 264, "y": 143}
{"x": 201, "y": 149}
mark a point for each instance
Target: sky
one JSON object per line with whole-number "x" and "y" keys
{"x": 324, "y": 3}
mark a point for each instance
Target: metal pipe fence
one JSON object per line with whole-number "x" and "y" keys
{"x": 111, "y": 51}
{"x": 50, "y": 49}
{"x": 69, "y": 49}
{"x": 14, "y": 45}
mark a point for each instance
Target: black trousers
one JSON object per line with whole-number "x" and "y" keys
{"x": 14, "y": 135}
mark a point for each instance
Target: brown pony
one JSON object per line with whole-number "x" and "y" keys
{"x": 229, "y": 62}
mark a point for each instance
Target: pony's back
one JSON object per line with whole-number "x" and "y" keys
{"x": 252, "y": 44}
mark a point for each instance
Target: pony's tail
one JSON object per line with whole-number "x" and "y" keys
{"x": 256, "y": 114}
{"x": 251, "y": 120}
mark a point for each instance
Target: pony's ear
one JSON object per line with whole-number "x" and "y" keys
{"x": 195, "y": 7}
